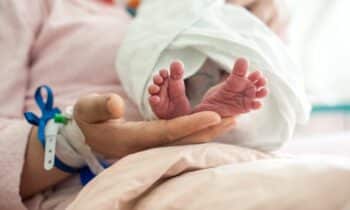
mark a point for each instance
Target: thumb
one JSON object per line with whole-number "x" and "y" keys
{"x": 96, "y": 108}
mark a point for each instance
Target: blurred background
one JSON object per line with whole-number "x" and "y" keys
{"x": 319, "y": 36}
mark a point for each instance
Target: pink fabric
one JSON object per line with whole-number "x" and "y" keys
{"x": 68, "y": 44}
{"x": 217, "y": 176}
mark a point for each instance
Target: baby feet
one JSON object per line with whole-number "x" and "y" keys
{"x": 240, "y": 93}
{"x": 168, "y": 94}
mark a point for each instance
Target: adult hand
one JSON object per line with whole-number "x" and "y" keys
{"x": 100, "y": 119}
{"x": 273, "y": 13}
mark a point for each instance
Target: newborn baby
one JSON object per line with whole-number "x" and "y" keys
{"x": 239, "y": 93}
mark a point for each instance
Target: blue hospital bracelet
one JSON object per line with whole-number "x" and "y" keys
{"x": 48, "y": 113}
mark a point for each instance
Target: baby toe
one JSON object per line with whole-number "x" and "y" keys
{"x": 251, "y": 104}
{"x": 153, "y": 89}
{"x": 256, "y": 105}
{"x": 154, "y": 100}
{"x": 254, "y": 76}
{"x": 262, "y": 93}
{"x": 176, "y": 70}
{"x": 164, "y": 73}
{"x": 261, "y": 82}
{"x": 241, "y": 67}
{"x": 158, "y": 80}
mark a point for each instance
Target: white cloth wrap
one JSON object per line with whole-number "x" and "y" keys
{"x": 72, "y": 149}
{"x": 194, "y": 30}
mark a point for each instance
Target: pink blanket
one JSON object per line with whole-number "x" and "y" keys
{"x": 220, "y": 177}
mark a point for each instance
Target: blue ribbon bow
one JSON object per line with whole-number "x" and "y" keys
{"x": 47, "y": 111}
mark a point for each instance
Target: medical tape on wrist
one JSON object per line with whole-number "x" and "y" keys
{"x": 67, "y": 143}
{"x": 75, "y": 138}
{"x": 67, "y": 154}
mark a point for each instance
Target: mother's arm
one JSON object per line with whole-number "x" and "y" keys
{"x": 99, "y": 117}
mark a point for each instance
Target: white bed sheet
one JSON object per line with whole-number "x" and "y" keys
{"x": 325, "y": 134}
{"x": 335, "y": 144}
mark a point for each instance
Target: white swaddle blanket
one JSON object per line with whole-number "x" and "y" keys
{"x": 194, "y": 30}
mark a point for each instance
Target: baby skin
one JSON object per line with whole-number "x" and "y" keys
{"x": 240, "y": 93}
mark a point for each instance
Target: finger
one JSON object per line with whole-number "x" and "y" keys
{"x": 280, "y": 18}
{"x": 163, "y": 132}
{"x": 274, "y": 24}
{"x": 264, "y": 10}
{"x": 187, "y": 125}
{"x": 278, "y": 25}
{"x": 97, "y": 108}
{"x": 207, "y": 135}
{"x": 129, "y": 137}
